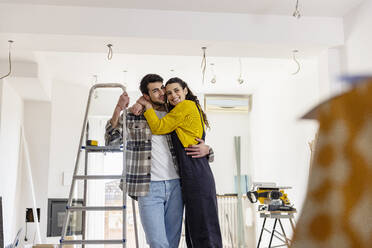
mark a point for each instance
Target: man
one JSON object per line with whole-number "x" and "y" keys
{"x": 152, "y": 169}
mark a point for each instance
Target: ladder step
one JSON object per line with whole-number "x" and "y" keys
{"x": 92, "y": 242}
{"x": 97, "y": 177}
{"x": 96, "y": 208}
{"x": 102, "y": 148}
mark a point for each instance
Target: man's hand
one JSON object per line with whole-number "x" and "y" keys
{"x": 122, "y": 104}
{"x": 198, "y": 151}
{"x": 142, "y": 100}
{"x": 123, "y": 101}
{"x": 136, "y": 109}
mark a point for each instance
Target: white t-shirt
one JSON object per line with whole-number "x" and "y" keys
{"x": 162, "y": 166}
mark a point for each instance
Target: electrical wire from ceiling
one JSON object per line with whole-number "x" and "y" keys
{"x": 296, "y": 13}
{"x": 9, "y": 60}
{"x": 110, "y": 51}
{"x": 296, "y": 61}
{"x": 204, "y": 63}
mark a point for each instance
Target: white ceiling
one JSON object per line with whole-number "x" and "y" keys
{"x": 70, "y": 56}
{"x": 325, "y": 8}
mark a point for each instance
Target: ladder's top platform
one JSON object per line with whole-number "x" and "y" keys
{"x": 102, "y": 148}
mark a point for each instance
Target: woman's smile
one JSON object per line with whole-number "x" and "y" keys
{"x": 175, "y": 93}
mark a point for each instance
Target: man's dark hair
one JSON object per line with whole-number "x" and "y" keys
{"x": 146, "y": 80}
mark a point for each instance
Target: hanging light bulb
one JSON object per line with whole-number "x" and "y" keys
{"x": 172, "y": 72}
{"x": 240, "y": 79}
{"x": 213, "y": 80}
{"x": 297, "y": 13}
{"x": 95, "y": 95}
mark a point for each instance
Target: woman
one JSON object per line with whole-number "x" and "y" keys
{"x": 186, "y": 122}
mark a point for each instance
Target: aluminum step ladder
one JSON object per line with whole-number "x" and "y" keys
{"x": 84, "y": 208}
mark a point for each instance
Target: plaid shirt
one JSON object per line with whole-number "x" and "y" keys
{"x": 138, "y": 151}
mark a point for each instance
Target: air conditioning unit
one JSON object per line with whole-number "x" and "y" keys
{"x": 227, "y": 103}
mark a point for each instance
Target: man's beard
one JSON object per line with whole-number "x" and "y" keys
{"x": 156, "y": 103}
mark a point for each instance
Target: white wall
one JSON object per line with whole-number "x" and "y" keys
{"x": 10, "y": 172}
{"x": 358, "y": 39}
{"x": 67, "y": 114}
{"x": 224, "y": 126}
{"x": 68, "y": 106}
{"x": 37, "y": 130}
{"x": 279, "y": 139}
{"x": 330, "y": 70}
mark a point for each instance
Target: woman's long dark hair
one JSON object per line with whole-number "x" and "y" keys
{"x": 190, "y": 96}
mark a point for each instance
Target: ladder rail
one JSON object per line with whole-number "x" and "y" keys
{"x": 135, "y": 222}
{"x": 84, "y": 214}
{"x": 76, "y": 169}
{"x": 124, "y": 192}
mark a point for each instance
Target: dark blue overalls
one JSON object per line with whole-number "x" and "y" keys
{"x": 199, "y": 195}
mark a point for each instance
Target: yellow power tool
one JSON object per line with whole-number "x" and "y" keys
{"x": 271, "y": 196}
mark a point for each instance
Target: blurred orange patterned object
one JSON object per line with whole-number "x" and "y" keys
{"x": 337, "y": 211}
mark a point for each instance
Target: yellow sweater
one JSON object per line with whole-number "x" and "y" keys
{"x": 184, "y": 118}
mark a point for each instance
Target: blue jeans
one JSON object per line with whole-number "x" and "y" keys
{"x": 161, "y": 214}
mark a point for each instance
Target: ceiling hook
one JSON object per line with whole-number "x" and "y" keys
{"x": 110, "y": 52}
{"x": 9, "y": 59}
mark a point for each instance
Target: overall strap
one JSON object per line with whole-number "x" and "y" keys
{"x": 201, "y": 119}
